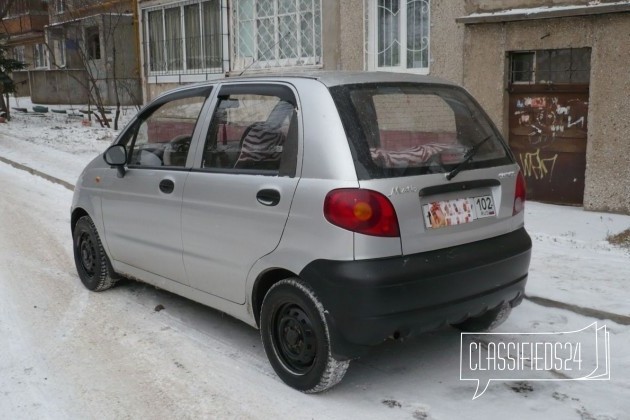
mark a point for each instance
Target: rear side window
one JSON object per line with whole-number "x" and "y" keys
{"x": 253, "y": 130}
{"x": 410, "y": 129}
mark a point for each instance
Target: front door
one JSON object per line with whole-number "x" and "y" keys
{"x": 236, "y": 203}
{"x": 142, "y": 210}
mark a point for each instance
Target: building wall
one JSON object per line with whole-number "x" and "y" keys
{"x": 116, "y": 72}
{"x": 351, "y": 31}
{"x": 480, "y": 6}
{"x": 446, "y": 38}
{"x": 608, "y": 150}
{"x": 58, "y": 86}
{"x": 76, "y": 9}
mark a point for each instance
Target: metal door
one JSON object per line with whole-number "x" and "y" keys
{"x": 548, "y": 126}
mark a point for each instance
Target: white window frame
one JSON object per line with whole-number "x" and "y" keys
{"x": 60, "y": 46}
{"x": 18, "y": 53}
{"x": 184, "y": 74}
{"x": 40, "y": 56}
{"x": 372, "y": 47}
{"x": 60, "y": 6}
{"x": 242, "y": 62}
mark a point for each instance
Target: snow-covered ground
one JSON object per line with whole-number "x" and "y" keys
{"x": 69, "y": 353}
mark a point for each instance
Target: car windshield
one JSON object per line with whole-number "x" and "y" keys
{"x": 412, "y": 129}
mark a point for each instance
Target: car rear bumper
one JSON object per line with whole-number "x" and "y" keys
{"x": 368, "y": 301}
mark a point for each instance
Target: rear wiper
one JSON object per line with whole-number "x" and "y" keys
{"x": 467, "y": 158}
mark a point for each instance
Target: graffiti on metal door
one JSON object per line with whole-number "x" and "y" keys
{"x": 534, "y": 165}
{"x": 548, "y": 134}
{"x": 546, "y": 118}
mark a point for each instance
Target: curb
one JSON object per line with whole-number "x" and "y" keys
{"x": 580, "y": 310}
{"x": 38, "y": 173}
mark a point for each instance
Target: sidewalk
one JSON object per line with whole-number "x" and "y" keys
{"x": 46, "y": 160}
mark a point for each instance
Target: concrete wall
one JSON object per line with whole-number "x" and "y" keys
{"x": 58, "y": 86}
{"x": 447, "y": 40}
{"x": 331, "y": 21}
{"x": 22, "y": 87}
{"x": 608, "y": 150}
{"x": 351, "y": 35}
{"x": 118, "y": 61}
{"x": 155, "y": 89}
{"x": 69, "y": 87}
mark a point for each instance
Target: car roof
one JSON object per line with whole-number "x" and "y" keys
{"x": 336, "y": 78}
{"x": 328, "y": 78}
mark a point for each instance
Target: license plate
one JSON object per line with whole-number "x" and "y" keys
{"x": 457, "y": 212}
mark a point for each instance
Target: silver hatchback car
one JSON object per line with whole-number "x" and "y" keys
{"x": 332, "y": 211}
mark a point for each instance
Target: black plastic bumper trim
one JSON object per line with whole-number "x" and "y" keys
{"x": 368, "y": 301}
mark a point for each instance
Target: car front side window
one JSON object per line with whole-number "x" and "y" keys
{"x": 163, "y": 135}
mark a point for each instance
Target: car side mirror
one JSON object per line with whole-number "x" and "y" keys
{"x": 116, "y": 157}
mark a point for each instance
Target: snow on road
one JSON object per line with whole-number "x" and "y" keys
{"x": 68, "y": 353}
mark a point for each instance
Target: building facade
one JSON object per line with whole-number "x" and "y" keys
{"x": 552, "y": 76}
{"x": 550, "y": 73}
{"x": 91, "y": 54}
{"x": 194, "y": 40}
{"x": 22, "y": 31}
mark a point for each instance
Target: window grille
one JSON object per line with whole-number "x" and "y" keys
{"x": 559, "y": 66}
{"x": 186, "y": 38}
{"x": 276, "y": 33}
{"x": 399, "y": 35}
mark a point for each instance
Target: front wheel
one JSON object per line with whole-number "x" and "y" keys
{"x": 296, "y": 339}
{"x": 94, "y": 269}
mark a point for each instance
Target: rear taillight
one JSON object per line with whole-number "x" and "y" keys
{"x": 362, "y": 211}
{"x": 519, "y": 194}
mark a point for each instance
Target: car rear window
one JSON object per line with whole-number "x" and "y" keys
{"x": 412, "y": 129}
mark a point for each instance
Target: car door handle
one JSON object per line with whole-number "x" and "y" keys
{"x": 167, "y": 186}
{"x": 268, "y": 197}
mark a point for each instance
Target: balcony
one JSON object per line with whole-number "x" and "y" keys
{"x": 24, "y": 24}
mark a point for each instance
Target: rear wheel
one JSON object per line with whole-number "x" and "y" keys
{"x": 296, "y": 339}
{"x": 486, "y": 321}
{"x": 94, "y": 269}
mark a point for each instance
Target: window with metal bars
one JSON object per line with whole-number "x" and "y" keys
{"x": 185, "y": 38}
{"x": 399, "y": 35}
{"x": 276, "y": 33}
{"x": 559, "y": 66}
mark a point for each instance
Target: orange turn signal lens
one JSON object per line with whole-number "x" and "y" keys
{"x": 362, "y": 211}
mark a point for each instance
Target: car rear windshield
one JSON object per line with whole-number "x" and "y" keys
{"x": 408, "y": 129}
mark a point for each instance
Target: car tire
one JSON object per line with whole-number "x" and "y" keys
{"x": 487, "y": 321}
{"x": 296, "y": 340}
{"x": 95, "y": 270}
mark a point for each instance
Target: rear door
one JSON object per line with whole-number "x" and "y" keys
{"x": 237, "y": 201}
{"x": 142, "y": 210}
{"x": 406, "y": 139}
